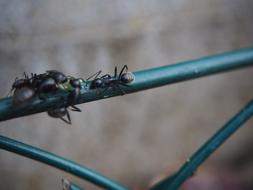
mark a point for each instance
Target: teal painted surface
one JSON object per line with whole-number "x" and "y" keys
{"x": 188, "y": 169}
{"x": 193, "y": 69}
{"x": 144, "y": 80}
{"x": 59, "y": 162}
{"x": 75, "y": 187}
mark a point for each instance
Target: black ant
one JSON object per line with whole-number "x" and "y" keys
{"x": 19, "y": 83}
{"x": 53, "y": 80}
{"x": 71, "y": 99}
{"x": 61, "y": 113}
{"x": 73, "y": 86}
{"x": 23, "y": 90}
{"x": 47, "y": 82}
{"x": 50, "y": 81}
{"x": 107, "y": 81}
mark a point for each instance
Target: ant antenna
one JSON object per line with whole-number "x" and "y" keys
{"x": 115, "y": 72}
{"x": 26, "y": 76}
{"x": 96, "y": 75}
{"x": 124, "y": 68}
{"x": 12, "y": 88}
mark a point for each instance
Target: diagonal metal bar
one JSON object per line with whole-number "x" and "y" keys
{"x": 187, "y": 170}
{"x": 145, "y": 79}
{"x": 75, "y": 187}
{"x": 59, "y": 162}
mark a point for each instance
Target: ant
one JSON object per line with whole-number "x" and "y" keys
{"x": 107, "y": 81}
{"x": 61, "y": 113}
{"x": 47, "y": 82}
{"x": 23, "y": 90}
{"x": 73, "y": 85}
{"x": 40, "y": 84}
{"x": 19, "y": 83}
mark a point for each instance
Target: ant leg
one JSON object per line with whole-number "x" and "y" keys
{"x": 33, "y": 75}
{"x": 65, "y": 120}
{"x": 113, "y": 88}
{"x": 68, "y": 119}
{"x": 120, "y": 89}
{"x": 115, "y": 72}
{"x": 106, "y": 76}
{"x": 96, "y": 75}
{"x": 126, "y": 85}
{"x": 42, "y": 96}
{"x": 104, "y": 90}
{"x": 124, "y": 68}
{"x": 68, "y": 116}
{"x": 26, "y": 76}
{"x": 73, "y": 96}
{"x": 10, "y": 92}
{"x": 74, "y": 108}
{"x": 12, "y": 88}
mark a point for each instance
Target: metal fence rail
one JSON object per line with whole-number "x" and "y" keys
{"x": 143, "y": 80}
{"x": 58, "y": 162}
{"x": 206, "y": 150}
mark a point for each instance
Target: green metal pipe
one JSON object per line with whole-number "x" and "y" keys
{"x": 75, "y": 187}
{"x": 59, "y": 162}
{"x": 144, "y": 80}
{"x": 187, "y": 170}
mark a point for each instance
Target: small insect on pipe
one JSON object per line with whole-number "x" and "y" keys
{"x": 19, "y": 83}
{"x": 107, "y": 81}
{"x": 22, "y": 95}
{"x": 38, "y": 84}
{"x": 62, "y": 113}
{"x": 22, "y": 90}
{"x": 26, "y": 88}
{"x": 73, "y": 86}
{"x": 47, "y": 82}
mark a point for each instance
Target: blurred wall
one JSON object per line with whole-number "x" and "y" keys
{"x": 136, "y": 137}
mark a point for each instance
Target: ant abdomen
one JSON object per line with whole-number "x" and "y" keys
{"x": 127, "y": 77}
{"x": 47, "y": 85}
{"x": 22, "y": 95}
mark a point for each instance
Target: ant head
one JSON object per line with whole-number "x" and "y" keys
{"x": 98, "y": 83}
{"x": 127, "y": 77}
{"x": 75, "y": 83}
{"x": 20, "y": 83}
{"x": 58, "y": 76}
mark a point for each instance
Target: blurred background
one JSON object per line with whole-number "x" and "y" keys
{"x": 138, "y": 138}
